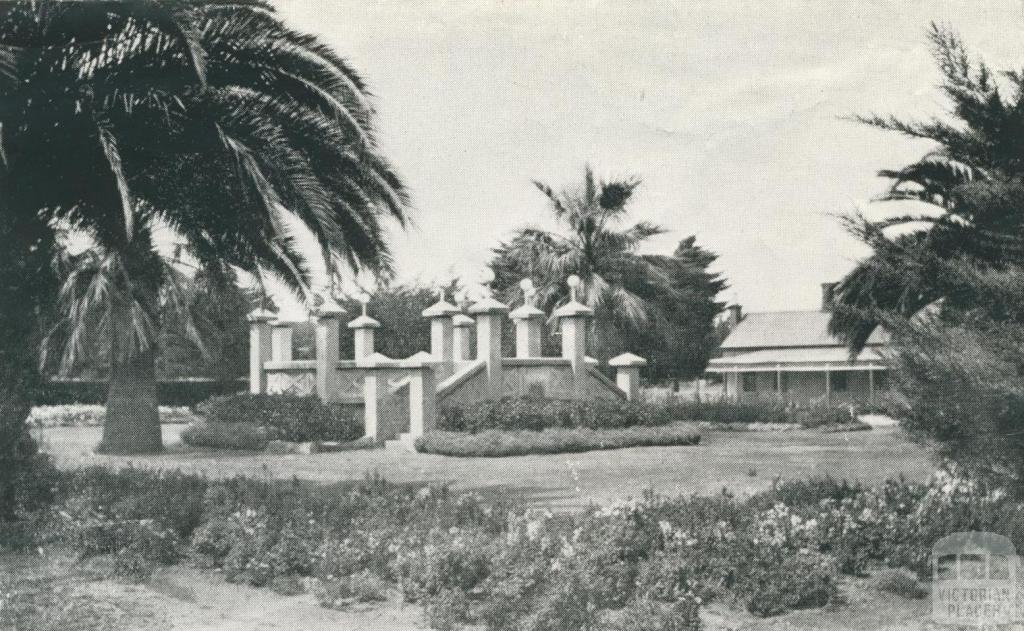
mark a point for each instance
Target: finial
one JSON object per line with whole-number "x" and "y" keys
{"x": 529, "y": 291}
{"x": 364, "y": 299}
{"x": 574, "y": 282}
{"x": 486, "y": 278}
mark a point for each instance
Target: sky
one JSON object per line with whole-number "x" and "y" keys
{"x": 731, "y": 113}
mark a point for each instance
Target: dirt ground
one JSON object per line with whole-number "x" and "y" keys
{"x": 742, "y": 462}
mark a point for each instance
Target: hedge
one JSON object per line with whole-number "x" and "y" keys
{"x": 536, "y": 414}
{"x": 494, "y": 443}
{"x": 283, "y": 417}
{"x": 182, "y": 392}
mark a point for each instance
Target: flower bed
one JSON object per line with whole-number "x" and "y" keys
{"x": 492, "y": 443}
{"x": 649, "y": 563}
{"x": 87, "y": 415}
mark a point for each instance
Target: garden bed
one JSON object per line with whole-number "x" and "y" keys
{"x": 493, "y": 443}
{"x": 649, "y": 563}
{"x": 92, "y": 415}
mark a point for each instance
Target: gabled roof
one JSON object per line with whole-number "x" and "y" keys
{"x": 788, "y": 329}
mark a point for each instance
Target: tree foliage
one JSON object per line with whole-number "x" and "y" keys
{"x": 662, "y": 307}
{"x": 973, "y": 177}
{"x": 209, "y": 117}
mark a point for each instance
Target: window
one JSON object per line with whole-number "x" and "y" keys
{"x": 840, "y": 381}
{"x": 749, "y": 382}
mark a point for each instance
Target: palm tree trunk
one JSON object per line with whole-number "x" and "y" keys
{"x": 132, "y": 424}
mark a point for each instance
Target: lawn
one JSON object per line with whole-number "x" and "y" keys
{"x": 742, "y": 462}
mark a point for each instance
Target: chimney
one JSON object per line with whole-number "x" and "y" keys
{"x": 735, "y": 315}
{"x": 828, "y": 296}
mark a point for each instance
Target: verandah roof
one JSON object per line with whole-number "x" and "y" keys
{"x": 798, "y": 360}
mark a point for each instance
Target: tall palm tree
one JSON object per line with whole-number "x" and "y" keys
{"x": 617, "y": 281}
{"x": 207, "y": 116}
{"x": 972, "y": 177}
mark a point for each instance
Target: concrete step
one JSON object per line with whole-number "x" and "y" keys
{"x": 404, "y": 442}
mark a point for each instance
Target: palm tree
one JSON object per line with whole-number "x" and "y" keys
{"x": 210, "y": 117}
{"x": 973, "y": 178}
{"x": 594, "y": 246}
{"x": 617, "y": 282}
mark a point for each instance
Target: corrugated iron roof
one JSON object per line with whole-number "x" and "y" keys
{"x": 788, "y": 329}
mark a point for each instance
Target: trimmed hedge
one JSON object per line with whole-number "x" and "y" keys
{"x": 768, "y": 411}
{"x": 183, "y": 392}
{"x": 285, "y": 417}
{"x": 248, "y": 436}
{"x": 494, "y": 443}
{"x": 535, "y": 414}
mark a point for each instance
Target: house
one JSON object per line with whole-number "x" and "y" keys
{"x": 791, "y": 355}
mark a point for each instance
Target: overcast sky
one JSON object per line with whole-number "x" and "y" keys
{"x": 728, "y": 111}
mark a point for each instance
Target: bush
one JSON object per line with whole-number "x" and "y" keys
{"x": 287, "y": 417}
{"x": 650, "y": 615}
{"x": 767, "y": 411}
{"x": 340, "y": 593}
{"x": 179, "y": 392}
{"x": 494, "y": 443}
{"x": 898, "y": 582}
{"x": 536, "y": 414}
{"x": 800, "y": 581}
{"x": 227, "y": 435}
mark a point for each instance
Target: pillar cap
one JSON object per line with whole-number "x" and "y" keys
{"x": 462, "y": 320}
{"x": 363, "y": 322}
{"x": 261, "y": 315}
{"x": 328, "y": 309}
{"x": 526, "y": 312}
{"x": 488, "y": 305}
{"x": 283, "y": 322}
{"x": 440, "y": 309}
{"x": 627, "y": 360}
{"x": 574, "y": 309}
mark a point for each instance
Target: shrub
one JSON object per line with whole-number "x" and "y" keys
{"x": 800, "y": 581}
{"x": 226, "y": 435}
{"x": 650, "y": 615}
{"x": 339, "y": 593}
{"x": 536, "y": 414}
{"x": 899, "y": 582}
{"x": 766, "y": 411}
{"x": 287, "y": 417}
{"x": 725, "y": 411}
{"x": 494, "y": 443}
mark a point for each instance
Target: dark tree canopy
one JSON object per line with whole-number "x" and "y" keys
{"x": 973, "y": 176}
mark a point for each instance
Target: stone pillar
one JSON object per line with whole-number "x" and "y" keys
{"x": 259, "y": 348}
{"x": 422, "y": 400}
{"x": 489, "y": 315}
{"x": 328, "y": 319}
{"x": 572, "y": 319}
{"x": 373, "y": 385}
{"x": 528, "y": 320}
{"x": 440, "y": 315}
{"x": 627, "y": 373}
{"x": 362, "y": 332}
{"x": 281, "y": 341}
{"x": 460, "y": 337}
